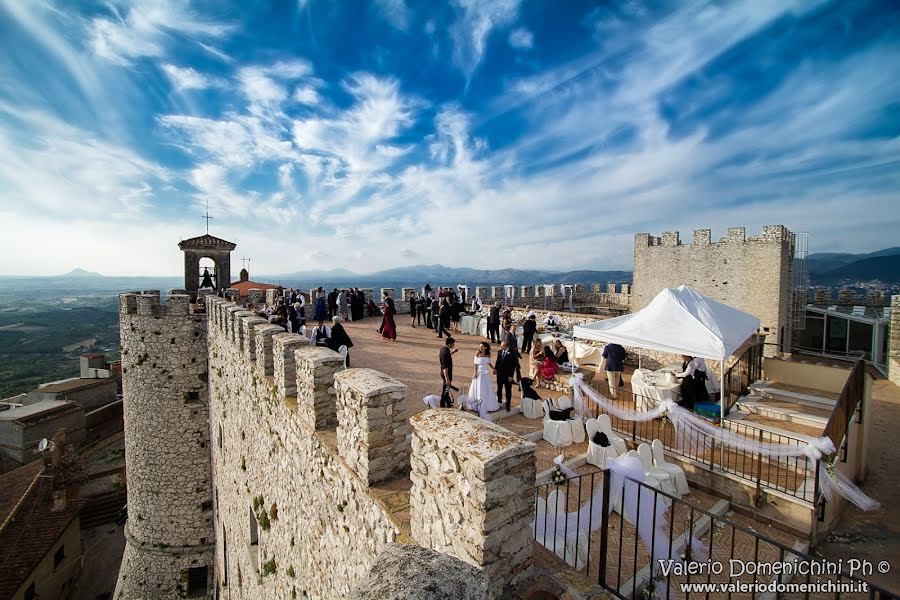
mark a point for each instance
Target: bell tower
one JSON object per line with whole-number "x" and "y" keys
{"x": 213, "y": 248}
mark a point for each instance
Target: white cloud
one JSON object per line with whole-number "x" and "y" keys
{"x": 521, "y": 39}
{"x": 143, "y": 29}
{"x": 307, "y": 95}
{"x": 474, "y": 24}
{"x": 394, "y": 12}
{"x": 60, "y": 170}
{"x": 188, "y": 78}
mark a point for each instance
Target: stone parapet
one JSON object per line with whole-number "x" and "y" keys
{"x": 473, "y": 493}
{"x": 283, "y": 366}
{"x": 264, "y": 355}
{"x": 316, "y": 394}
{"x": 271, "y": 295}
{"x": 481, "y": 292}
{"x": 496, "y": 292}
{"x": 371, "y": 429}
{"x": 249, "y": 326}
{"x": 256, "y": 296}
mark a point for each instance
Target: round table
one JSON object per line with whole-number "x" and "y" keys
{"x": 469, "y": 324}
{"x": 650, "y": 388}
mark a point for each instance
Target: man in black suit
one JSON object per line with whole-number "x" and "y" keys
{"x": 507, "y": 365}
{"x": 528, "y": 330}
{"x": 513, "y": 344}
{"x": 332, "y": 303}
{"x": 493, "y": 324}
{"x": 446, "y": 358}
{"x": 444, "y": 318}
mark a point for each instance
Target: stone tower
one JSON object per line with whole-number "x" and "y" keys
{"x": 170, "y": 535}
{"x": 213, "y": 248}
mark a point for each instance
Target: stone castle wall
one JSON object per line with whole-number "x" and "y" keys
{"x": 753, "y": 274}
{"x": 307, "y": 462}
{"x": 164, "y": 381}
{"x": 275, "y": 452}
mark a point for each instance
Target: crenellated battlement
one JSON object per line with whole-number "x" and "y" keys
{"x": 775, "y": 234}
{"x": 147, "y": 304}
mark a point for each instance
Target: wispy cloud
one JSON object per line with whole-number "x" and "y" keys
{"x": 141, "y": 30}
{"x": 394, "y": 12}
{"x": 188, "y": 78}
{"x": 521, "y": 39}
{"x": 475, "y": 21}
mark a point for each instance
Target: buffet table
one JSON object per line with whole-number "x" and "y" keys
{"x": 652, "y": 387}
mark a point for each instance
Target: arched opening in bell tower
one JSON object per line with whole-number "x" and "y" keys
{"x": 206, "y": 270}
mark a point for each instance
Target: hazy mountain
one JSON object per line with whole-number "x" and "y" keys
{"x": 823, "y": 262}
{"x": 79, "y": 272}
{"x": 884, "y": 268}
{"x": 333, "y": 273}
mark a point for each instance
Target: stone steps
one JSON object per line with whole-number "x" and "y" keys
{"x": 776, "y": 391}
{"x": 801, "y": 547}
{"x": 775, "y": 425}
{"x": 785, "y": 411}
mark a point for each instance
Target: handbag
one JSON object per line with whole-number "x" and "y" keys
{"x": 560, "y": 415}
{"x": 600, "y": 439}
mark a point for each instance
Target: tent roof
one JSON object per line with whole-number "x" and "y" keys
{"x": 680, "y": 321}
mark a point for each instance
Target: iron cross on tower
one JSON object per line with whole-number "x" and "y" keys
{"x": 207, "y": 217}
{"x": 245, "y": 262}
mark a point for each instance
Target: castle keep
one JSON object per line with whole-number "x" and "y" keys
{"x": 754, "y": 274}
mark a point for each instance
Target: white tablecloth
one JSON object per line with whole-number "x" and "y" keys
{"x": 650, "y": 388}
{"x": 469, "y": 324}
{"x": 584, "y": 354}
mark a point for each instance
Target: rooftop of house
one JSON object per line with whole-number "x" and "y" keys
{"x": 29, "y": 527}
{"x": 71, "y": 385}
{"x": 39, "y": 411}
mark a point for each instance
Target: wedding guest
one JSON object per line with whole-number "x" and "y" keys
{"x": 613, "y": 361}
{"x": 551, "y": 322}
{"x": 444, "y": 317}
{"x": 528, "y": 330}
{"x": 512, "y": 343}
{"x": 321, "y": 305}
{"x": 389, "y": 331}
{"x": 421, "y": 309}
{"x": 481, "y": 391}
{"x": 560, "y": 352}
{"x": 507, "y": 319}
{"x": 456, "y": 309}
{"x": 693, "y": 381}
{"x": 507, "y": 365}
{"x": 321, "y": 335}
{"x": 413, "y": 308}
{"x": 493, "y": 323}
{"x": 445, "y": 356}
{"x": 342, "y": 304}
{"x": 332, "y": 303}
{"x": 547, "y": 368}
{"x": 340, "y": 338}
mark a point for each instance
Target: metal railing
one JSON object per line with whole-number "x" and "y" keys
{"x": 795, "y": 476}
{"x": 848, "y": 404}
{"x": 746, "y": 370}
{"x": 610, "y": 550}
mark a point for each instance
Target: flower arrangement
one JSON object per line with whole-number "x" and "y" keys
{"x": 558, "y": 477}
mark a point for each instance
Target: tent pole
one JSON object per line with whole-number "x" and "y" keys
{"x": 722, "y": 392}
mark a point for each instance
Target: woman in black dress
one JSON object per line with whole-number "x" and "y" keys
{"x": 413, "y": 307}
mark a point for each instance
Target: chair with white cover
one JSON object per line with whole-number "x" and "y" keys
{"x": 597, "y": 455}
{"x": 345, "y": 355}
{"x": 606, "y": 427}
{"x": 557, "y": 433}
{"x": 676, "y": 472}
{"x": 650, "y": 472}
{"x": 532, "y": 408}
{"x": 563, "y": 535}
{"x": 575, "y": 421}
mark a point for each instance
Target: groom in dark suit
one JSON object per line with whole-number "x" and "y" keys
{"x": 507, "y": 364}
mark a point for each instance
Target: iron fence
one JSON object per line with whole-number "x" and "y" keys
{"x": 746, "y": 370}
{"x": 675, "y": 544}
{"x": 795, "y": 476}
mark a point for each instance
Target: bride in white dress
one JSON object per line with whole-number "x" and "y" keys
{"x": 482, "y": 396}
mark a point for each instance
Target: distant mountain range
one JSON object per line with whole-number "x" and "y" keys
{"x": 417, "y": 275}
{"x": 832, "y": 268}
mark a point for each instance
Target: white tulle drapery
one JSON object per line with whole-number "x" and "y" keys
{"x": 567, "y": 532}
{"x": 692, "y": 430}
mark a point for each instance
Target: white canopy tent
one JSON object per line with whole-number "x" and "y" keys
{"x": 679, "y": 321}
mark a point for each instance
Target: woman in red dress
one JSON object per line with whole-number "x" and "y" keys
{"x": 547, "y": 368}
{"x": 390, "y": 328}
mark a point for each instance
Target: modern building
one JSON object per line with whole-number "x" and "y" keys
{"x": 22, "y": 429}
{"x": 846, "y": 332}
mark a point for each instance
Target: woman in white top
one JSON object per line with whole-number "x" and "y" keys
{"x": 481, "y": 392}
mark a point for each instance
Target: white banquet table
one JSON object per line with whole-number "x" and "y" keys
{"x": 650, "y": 388}
{"x": 469, "y": 324}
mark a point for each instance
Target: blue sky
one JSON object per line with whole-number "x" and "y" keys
{"x": 481, "y": 133}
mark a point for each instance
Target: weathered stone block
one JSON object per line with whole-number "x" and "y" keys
{"x": 264, "y": 348}
{"x": 316, "y": 395}
{"x": 360, "y": 395}
{"x": 472, "y": 493}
